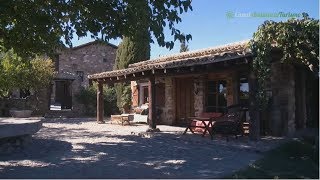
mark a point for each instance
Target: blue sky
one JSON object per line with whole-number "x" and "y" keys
{"x": 209, "y": 25}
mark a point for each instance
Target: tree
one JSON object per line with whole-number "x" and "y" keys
{"x": 88, "y": 98}
{"x": 18, "y": 73}
{"x": 39, "y": 26}
{"x": 184, "y": 47}
{"x": 133, "y": 48}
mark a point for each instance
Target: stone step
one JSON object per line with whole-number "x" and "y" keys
{"x": 60, "y": 114}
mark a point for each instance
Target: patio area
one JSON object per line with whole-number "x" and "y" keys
{"x": 80, "y": 148}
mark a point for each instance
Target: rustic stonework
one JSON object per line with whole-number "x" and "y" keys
{"x": 230, "y": 97}
{"x": 283, "y": 99}
{"x": 168, "y": 114}
{"x": 38, "y": 102}
{"x": 199, "y": 87}
{"x": 90, "y": 58}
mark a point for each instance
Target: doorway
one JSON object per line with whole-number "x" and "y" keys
{"x": 184, "y": 99}
{"x": 61, "y": 95}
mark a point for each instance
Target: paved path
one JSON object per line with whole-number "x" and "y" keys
{"x": 80, "y": 148}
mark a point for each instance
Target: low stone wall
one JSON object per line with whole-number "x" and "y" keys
{"x": 38, "y": 103}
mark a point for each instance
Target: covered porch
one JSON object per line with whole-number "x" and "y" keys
{"x": 206, "y": 80}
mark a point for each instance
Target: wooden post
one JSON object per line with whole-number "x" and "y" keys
{"x": 254, "y": 124}
{"x": 152, "y": 104}
{"x": 100, "y": 104}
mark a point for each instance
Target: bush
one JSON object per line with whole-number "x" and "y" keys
{"x": 18, "y": 73}
{"x": 88, "y": 97}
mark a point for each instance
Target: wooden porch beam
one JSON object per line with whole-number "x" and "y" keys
{"x": 100, "y": 104}
{"x": 197, "y": 69}
{"x": 152, "y": 104}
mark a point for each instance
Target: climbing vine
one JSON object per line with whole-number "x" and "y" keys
{"x": 296, "y": 39}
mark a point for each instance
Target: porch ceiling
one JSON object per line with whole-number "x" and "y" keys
{"x": 187, "y": 59}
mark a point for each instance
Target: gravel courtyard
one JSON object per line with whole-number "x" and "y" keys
{"x": 81, "y": 148}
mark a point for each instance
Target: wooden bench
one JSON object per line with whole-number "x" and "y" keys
{"x": 232, "y": 123}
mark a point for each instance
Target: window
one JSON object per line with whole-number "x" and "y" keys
{"x": 216, "y": 96}
{"x": 24, "y": 93}
{"x": 80, "y": 74}
{"x": 145, "y": 94}
{"x": 244, "y": 91}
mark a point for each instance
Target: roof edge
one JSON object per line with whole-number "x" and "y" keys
{"x": 94, "y": 42}
{"x": 190, "y": 53}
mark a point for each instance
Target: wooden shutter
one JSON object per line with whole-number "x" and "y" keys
{"x": 135, "y": 96}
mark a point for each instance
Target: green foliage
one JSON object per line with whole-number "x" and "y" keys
{"x": 18, "y": 73}
{"x": 133, "y": 48}
{"x": 297, "y": 39}
{"x": 88, "y": 97}
{"x": 126, "y": 96}
{"x": 40, "y": 26}
{"x": 184, "y": 47}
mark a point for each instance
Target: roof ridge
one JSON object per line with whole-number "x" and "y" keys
{"x": 93, "y": 42}
{"x": 189, "y": 54}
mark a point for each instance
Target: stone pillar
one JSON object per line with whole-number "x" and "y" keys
{"x": 283, "y": 99}
{"x": 100, "y": 103}
{"x": 235, "y": 87}
{"x": 303, "y": 96}
{"x": 230, "y": 93}
{"x": 254, "y": 123}
{"x": 291, "y": 100}
{"x": 199, "y": 88}
{"x": 169, "y": 110}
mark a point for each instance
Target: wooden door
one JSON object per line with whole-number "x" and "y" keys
{"x": 63, "y": 94}
{"x": 184, "y": 99}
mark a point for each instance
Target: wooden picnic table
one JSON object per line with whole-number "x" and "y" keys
{"x": 122, "y": 118}
{"x": 126, "y": 118}
{"x": 206, "y": 126}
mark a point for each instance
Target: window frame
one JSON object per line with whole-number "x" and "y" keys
{"x": 217, "y": 108}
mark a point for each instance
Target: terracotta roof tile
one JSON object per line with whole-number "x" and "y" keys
{"x": 204, "y": 56}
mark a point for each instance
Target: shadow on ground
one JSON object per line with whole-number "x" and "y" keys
{"x": 159, "y": 155}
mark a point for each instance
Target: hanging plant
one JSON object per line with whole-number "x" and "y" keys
{"x": 297, "y": 39}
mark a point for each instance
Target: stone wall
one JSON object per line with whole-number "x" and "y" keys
{"x": 38, "y": 103}
{"x": 90, "y": 58}
{"x": 168, "y": 112}
{"x": 282, "y": 121}
{"x": 199, "y": 88}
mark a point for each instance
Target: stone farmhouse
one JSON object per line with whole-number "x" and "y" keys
{"x": 73, "y": 65}
{"x": 209, "y": 80}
